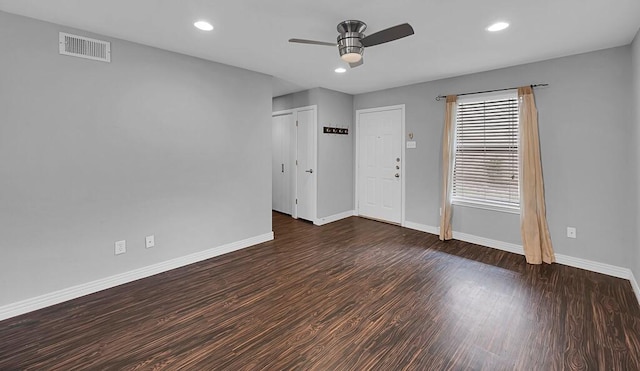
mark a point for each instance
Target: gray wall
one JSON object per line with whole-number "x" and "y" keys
{"x": 296, "y": 100}
{"x": 584, "y": 128}
{"x": 90, "y": 153}
{"x": 335, "y": 152}
{"x": 635, "y": 60}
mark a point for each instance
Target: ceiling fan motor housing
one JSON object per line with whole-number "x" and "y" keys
{"x": 351, "y": 34}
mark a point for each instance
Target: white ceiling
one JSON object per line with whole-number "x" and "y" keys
{"x": 449, "y": 39}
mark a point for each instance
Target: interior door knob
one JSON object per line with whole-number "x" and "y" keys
{"x": 309, "y": 171}
{"x": 397, "y": 175}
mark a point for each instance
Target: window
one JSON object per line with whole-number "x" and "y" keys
{"x": 485, "y": 169}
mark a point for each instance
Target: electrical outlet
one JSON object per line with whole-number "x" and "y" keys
{"x": 571, "y": 232}
{"x": 120, "y": 247}
{"x": 150, "y": 241}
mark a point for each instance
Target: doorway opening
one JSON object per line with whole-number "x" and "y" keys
{"x": 294, "y": 162}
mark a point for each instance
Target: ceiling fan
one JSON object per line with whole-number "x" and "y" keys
{"x": 352, "y": 40}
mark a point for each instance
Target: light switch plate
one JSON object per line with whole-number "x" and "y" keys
{"x": 571, "y": 232}
{"x": 411, "y": 144}
{"x": 150, "y": 241}
{"x": 120, "y": 247}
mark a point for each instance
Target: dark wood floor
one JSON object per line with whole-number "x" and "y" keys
{"x": 352, "y": 295}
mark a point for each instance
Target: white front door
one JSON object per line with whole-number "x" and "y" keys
{"x": 306, "y": 171}
{"x": 380, "y": 164}
{"x": 281, "y": 174}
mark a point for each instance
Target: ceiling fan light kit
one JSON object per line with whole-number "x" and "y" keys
{"x": 349, "y": 40}
{"x": 353, "y": 57}
{"x": 352, "y": 40}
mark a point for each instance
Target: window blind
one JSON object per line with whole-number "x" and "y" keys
{"x": 486, "y": 154}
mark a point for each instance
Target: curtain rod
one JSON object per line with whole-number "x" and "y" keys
{"x": 440, "y": 97}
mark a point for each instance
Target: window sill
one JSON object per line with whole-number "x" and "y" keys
{"x": 477, "y": 205}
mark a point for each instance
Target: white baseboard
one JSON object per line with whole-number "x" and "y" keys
{"x": 421, "y": 227}
{"x": 334, "y": 218}
{"x": 590, "y": 265}
{"x": 56, "y": 297}
{"x": 500, "y": 245}
{"x": 505, "y": 246}
{"x": 610, "y": 270}
{"x": 636, "y": 287}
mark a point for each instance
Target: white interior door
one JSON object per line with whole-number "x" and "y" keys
{"x": 380, "y": 164}
{"x": 306, "y": 170}
{"x": 281, "y": 175}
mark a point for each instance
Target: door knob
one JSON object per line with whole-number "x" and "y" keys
{"x": 309, "y": 171}
{"x": 397, "y": 175}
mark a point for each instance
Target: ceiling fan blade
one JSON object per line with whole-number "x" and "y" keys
{"x": 356, "y": 64}
{"x": 313, "y": 42}
{"x": 390, "y": 34}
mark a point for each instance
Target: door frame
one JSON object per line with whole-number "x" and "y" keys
{"x": 294, "y": 152}
{"x": 403, "y": 147}
{"x": 291, "y": 134}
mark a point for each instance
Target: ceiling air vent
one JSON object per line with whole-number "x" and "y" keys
{"x": 84, "y": 47}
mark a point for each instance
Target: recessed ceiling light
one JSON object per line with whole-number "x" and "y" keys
{"x": 204, "y": 26}
{"x": 498, "y": 26}
{"x": 340, "y": 70}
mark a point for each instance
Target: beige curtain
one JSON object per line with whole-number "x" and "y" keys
{"x": 447, "y": 167}
{"x": 536, "y": 240}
